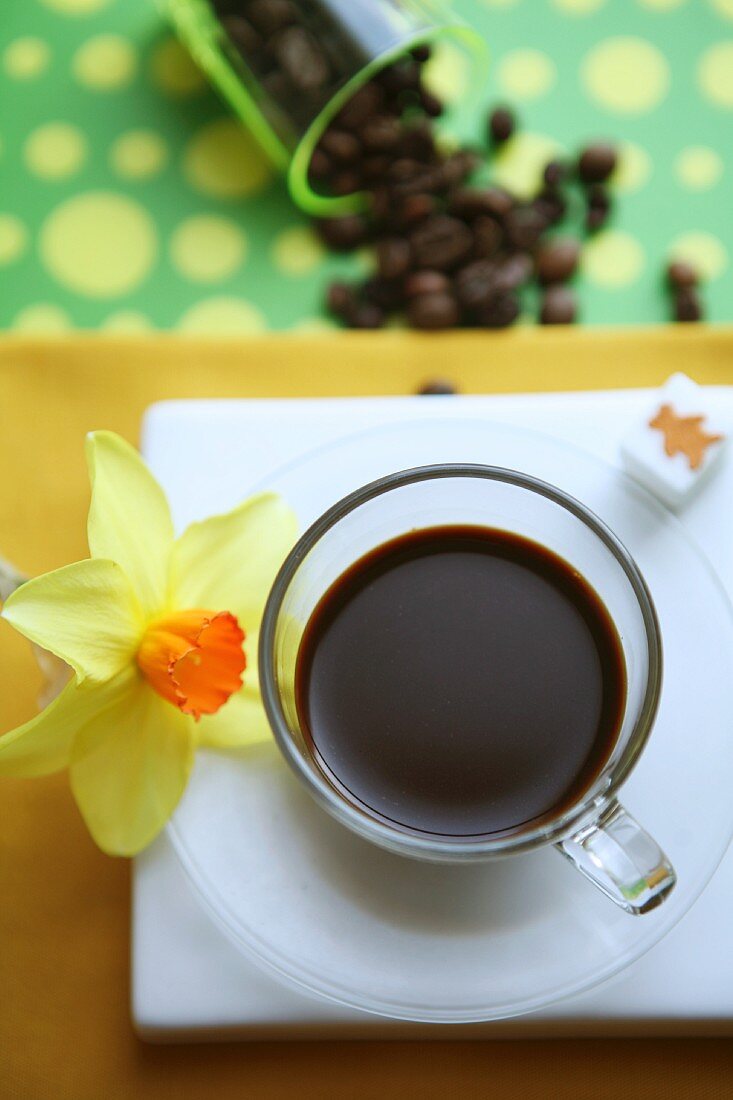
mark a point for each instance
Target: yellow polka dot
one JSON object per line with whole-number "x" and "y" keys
{"x": 724, "y": 8}
{"x": 76, "y": 7}
{"x": 715, "y": 74}
{"x": 628, "y": 76}
{"x": 613, "y": 259}
{"x": 223, "y": 317}
{"x": 105, "y": 63}
{"x": 138, "y": 154}
{"x": 207, "y": 248}
{"x": 26, "y": 58}
{"x": 704, "y": 251}
{"x": 578, "y": 7}
{"x": 519, "y": 162}
{"x": 173, "y": 70}
{"x": 633, "y": 169}
{"x": 446, "y": 73}
{"x": 43, "y": 318}
{"x": 99, "y": 244}
{"x": 526, "y": 74}
{"x": 698, "y": 167}
{"x": 223, "y": 160}
{"x": 13, "y": 238}
{"x": 297, "y": 251}
{"x": 55, "y": 151}
{"x": 127, "y": 322}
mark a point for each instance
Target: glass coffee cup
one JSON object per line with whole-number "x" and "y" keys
{"x": 595, "y": 832}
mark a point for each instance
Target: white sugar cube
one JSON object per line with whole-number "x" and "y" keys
{"x": 677, "y": 441}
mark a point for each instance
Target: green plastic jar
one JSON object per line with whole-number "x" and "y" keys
{"x": 355, "y": 37}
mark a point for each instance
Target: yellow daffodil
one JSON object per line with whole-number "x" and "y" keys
{"x": 161, "y": 637}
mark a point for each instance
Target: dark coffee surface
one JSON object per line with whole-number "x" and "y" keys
{"x": 461, "y": 681}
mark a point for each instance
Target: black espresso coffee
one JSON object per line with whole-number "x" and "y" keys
{"x": 461, "y": 681}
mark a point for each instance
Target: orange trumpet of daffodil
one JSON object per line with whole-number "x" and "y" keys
{"x": 161, "y": 637}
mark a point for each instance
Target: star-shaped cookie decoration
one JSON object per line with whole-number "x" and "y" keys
{"x": 684, "y": 435}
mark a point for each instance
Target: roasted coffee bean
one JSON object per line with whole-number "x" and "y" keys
{"x": 499, "y": 312}
{"x": 345, "y": 182}
{"x": 433, "y": 311}
{"x": 364, "y": 103}
{"x": 341, "y": 146}
{"x": 431, "y": 105}
{"x": 404, "y": 170}
{"x": 321, "y": 165}
{"x": 402, "y": 76}
{"x": 437, "y": 387}
{"x": 414, "y": 209}
{"x": 458, "y": 166}
{"x": 557, "y": 260}
{"x": 440, "y": 242}
{"x": 596, "y": 163}
{"x": 426, "y": 282}
{"x": 381, "y": 134}
{"x": 393, "y": 257}
{"x": 301, "y": 58}
{"x": 550, "y": 205}
{"x": 367, "y": 315}
{"x": 687, "y": 304}
{"x": 487, "y": 237}
{"x": 417, "y": 141}
{"x": 340, "y": 299}
{"x": 681, "y": 274}
{"x": 558, "y": 306}
{"x": 381, "y": 204}
{"x": 599, "y": 207}
{"x": 270, "y": 16}
{"x": 554, "y": 174}
{"x": 343, "y": 233}
{"x": 524, "y": 225}
{"x": 243, "y": 36}
{"x": 514, "y": 271}
{"x": 375, "y": 167}
{"x": 421, "y": 53}
{"x": 501, "y": 125}
{"x": 388, "y": 294}
{"x": 475, "y": 284}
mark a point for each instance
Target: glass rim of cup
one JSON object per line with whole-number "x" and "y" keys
{"x": 424, "y": 844}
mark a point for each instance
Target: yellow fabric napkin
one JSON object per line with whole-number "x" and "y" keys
{"x": 64, "y": 1021}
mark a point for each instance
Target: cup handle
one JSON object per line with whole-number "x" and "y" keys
{"x": 621, "y": 859}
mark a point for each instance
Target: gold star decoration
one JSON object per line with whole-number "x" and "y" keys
{"x": 683, "y": 435}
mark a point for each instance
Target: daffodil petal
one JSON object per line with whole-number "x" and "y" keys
{"x": 228, "y": 563}
{"x": 129, "y": 517}
{"x": 129, "y": 767}
{"x": 85, "y": 613}
{"x": 43, "y": 745}
{"x": 240, "y": 722}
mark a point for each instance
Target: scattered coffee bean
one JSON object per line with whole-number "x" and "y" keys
{"x": 681, "y": 274}
{"x": 242, "y": 35}
{"x": 687, "y": 304}
{"x": 301, "y": 58}
{"x": 421, "y": 53}
{"x": 437, "y": 387}
{"x": 499, "y": 312}
{"x": 393, "y": 257}
{"x": 550, "y": 205}
{"x": 341, "y": 146}
{"x": 364, "y": 103}
{"x": 272, "y": 15}
{"x": 599, "y": 207}
{"x": 388, "y": 294}
{"x": 476, "y": 285}
{"x": 557, "y": 260}
{"x": 367, "y": 315}
{"x": 433, "y": 311}
{"x": 524, "y": 226}
{"x": 340, "y": 300}
{"x": 344, "y": 233}
{"x": 345, "y": 182}
{"x": 430, "y": 104}
{"x": 487, "y": 237}
{"x": 416, "y": 208}
{"x": 558, "y": 306}
{"x": 426, "y": 282}
{"x": 441, "y": 242}
{"x": 514, "y": 271}
{"x": 501, "y": 125}
{"x": 554, "y": 174}
{"x": 596, "y": 163}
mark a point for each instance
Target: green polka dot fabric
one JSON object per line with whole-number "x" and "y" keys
{"x": 130, "y": 199}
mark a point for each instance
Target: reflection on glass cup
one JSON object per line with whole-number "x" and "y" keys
{"x": 594, "y": 831}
